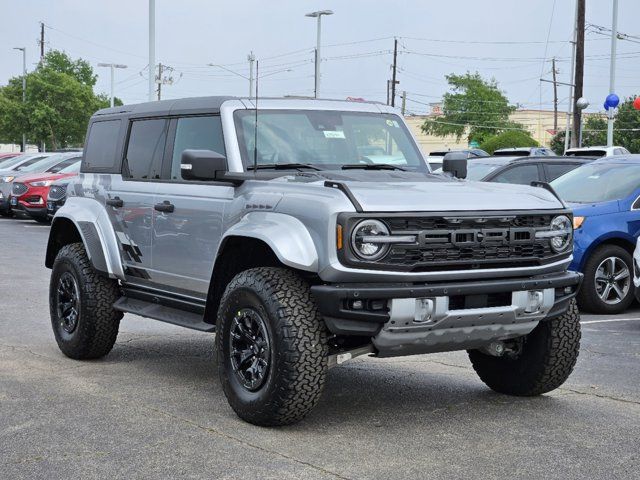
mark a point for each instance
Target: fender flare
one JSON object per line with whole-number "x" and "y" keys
{"x": 287, "y": 236}
{"x": 95, "y": 230}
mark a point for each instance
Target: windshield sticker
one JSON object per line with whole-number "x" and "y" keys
{"x": 333, "y": 134}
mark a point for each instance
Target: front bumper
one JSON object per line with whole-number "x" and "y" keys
{"x": 461, "y": 315}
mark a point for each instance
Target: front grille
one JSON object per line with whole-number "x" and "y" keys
{"x": 464, "y": 242}
{"x": 18, "y": 189}
{"x": 57, "y": 192}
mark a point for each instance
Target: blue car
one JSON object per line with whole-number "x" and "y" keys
{"x": 605, "y": 197}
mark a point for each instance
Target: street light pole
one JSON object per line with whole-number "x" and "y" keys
{"x": 23, "y": 147}
{"x": 112, "y": 66}
{"x": 612, "y": 70}
{"x": 152, "y": 49}
{"x": 318, "y": 15}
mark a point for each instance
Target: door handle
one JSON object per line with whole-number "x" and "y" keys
{"x": 165, "y": 206}
{"x": 115, "y": 202}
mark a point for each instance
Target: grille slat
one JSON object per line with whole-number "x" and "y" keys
{"x": 18, "y": 189}
{"x": 442, "y": 254}
{"x": 57, "y": 192}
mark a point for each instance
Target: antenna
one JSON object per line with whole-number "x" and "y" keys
{"x": 255, "y": 131}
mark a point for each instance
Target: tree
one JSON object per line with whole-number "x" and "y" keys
{"x": 511, "y": 138}
{"x": 59, "y": 102}
{"x": 474, "y": 105}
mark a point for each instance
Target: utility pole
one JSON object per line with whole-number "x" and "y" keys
{"x": 41, "y": 42}
{"x": 567, "y": 133}
{"x": 404, "y": 101}
{"x": 152, "y": 49}
{"x": 23, "y": 147}
{"x": 159, "y": 80}
{"x": 388, "y": 91}
{"x": 612, "y": 70}
{"x": 252, "y": 58}
{"x": 579, "y": 71}
{"x": 394, "y": 82}
{"x": 112, "y": 66}
{"x": 555, "y": 96}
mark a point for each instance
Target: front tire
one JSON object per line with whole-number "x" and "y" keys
{"x": 84, "y": 322}
{"x": 271, "y": 347}
{"x": 607, "y": 287}
{"x": 544, "y": 360}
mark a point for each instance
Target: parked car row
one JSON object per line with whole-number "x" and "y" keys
{"x": 27, "y": 180}
{"x": 604, "y": 194}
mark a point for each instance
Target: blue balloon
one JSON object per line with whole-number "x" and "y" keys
{"x": 612, "y": 100}
{"x": 606, "y": 107}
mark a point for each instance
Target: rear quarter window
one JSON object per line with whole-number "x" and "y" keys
{"x": 100, "y": 154}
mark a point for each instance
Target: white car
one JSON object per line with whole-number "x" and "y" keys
{"x": 600, "y": 151}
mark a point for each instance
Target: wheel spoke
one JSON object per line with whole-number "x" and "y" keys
{"x": 617, "y": 290}
{"x": 622, "y": 274}
{"x": 606, "y": 292}
{"x": 611, "y": 263}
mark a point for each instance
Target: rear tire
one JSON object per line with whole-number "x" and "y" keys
{"x": 590, "y": 295}
{"x": 84, "y": 322}
{"x": 271, "y": 347}
{"x": 546, "y": 358}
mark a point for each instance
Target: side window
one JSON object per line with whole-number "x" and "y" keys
{"x": 143, "y": 160}
{"x": 522, "y": 174}
{"x": 555, "y": 170}
{"x": 100, "y": 150}
{"x": 198, "y": 133}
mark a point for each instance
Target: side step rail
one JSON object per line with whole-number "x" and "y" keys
{"x": 163, "y": 313}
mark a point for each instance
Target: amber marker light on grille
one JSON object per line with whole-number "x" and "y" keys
{"x": 339, "y": 237}
{"x": 577, "y": 222}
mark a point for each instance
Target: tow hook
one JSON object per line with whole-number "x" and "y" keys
{"x": 339, "y": 358}
{"x": 495, "y": 349}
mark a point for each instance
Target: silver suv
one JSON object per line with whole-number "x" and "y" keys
{"x": 305, "y": 233}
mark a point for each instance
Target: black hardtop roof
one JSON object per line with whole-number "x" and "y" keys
{"x": 166, "y": 107}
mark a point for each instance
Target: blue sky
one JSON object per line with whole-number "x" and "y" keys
{"x": 503, "y": 39}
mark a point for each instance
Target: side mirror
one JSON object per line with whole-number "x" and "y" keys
{"x": 455, "y": 163}
{"x": 202, "y": 165}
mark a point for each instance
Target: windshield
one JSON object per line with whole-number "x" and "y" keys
{"x": 586, "y": 153}
{"x": 27, "y": 159}
{"x": 73, "y": 168}
{"x": 599, "y": 182}
{"x": 41, "y": 165}
{"x": 326, "y": 139}
{"x": 10, "y": 162}
{"x": 58, "y": 167}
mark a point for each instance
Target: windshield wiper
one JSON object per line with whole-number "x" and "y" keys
{"x": 371, "y": 166}
{"x": 282, "y": 166}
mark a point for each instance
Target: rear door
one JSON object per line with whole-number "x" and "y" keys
{"x": 187, "y": 233}
{"x": 522, "y": 174}
{"x": 556, "y": 170}
{"x": 131, "y": 196}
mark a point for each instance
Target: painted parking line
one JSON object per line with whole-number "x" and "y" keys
{"x": 608, "y": 320}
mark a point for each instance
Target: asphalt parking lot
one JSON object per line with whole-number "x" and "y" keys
{"x": 154, "y": 409}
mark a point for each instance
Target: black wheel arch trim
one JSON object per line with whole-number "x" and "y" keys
{"x": 65, "y": 231}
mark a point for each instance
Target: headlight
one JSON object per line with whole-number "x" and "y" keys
{"x": 563, "y": 229}
{"x": 6, "y": 179}
{"x": 364, "y": 242}
{"x": 44, "y": 183}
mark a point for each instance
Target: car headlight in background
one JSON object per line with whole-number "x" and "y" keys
{"x": 43, "y": 183}
{"x": 6, "y": 179}
{"x": 368, "y": 240}
{"x": 577, "y": 222}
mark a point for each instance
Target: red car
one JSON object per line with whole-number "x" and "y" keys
{"x": 29, "y": 192}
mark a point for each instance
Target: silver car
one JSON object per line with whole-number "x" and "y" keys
{"x": 305, "y": 233}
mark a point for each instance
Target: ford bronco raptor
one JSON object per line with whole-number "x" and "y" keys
{"x": 304, "y": 233}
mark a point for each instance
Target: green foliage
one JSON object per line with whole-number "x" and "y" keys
{"x": 626, "y": 130}
{"x": 60, "y": 100}
{"x": 511, "y": 138}
{"x": 475, "y": 105}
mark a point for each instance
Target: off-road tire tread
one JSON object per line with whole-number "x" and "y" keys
{"x": 303, "y": 345}
{"x": 99, "y": 322}
{"x": 557, "y": 343}
{"x": 587, "y": 298}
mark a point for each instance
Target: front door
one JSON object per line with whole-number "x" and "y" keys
{"x": 186, "y": 233}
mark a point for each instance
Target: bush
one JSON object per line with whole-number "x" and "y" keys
{"x": 512, "y": 138}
